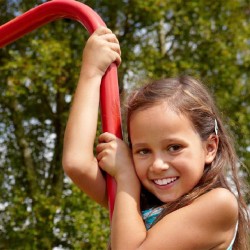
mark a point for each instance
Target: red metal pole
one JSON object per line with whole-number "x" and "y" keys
{"x": 57, "y": 9}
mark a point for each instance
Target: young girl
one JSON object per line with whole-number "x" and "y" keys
{"x": 174, "y": 179}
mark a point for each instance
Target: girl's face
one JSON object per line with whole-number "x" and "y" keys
{"x": 168, "y": 153}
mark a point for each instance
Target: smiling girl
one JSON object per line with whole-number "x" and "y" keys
{"x": 173, "y": 190}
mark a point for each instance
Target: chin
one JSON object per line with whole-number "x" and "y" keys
{"x": 167, "y": 199}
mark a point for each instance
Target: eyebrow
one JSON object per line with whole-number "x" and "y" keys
{"x": 139, "y": 145}
{"x": 169, "y": 140}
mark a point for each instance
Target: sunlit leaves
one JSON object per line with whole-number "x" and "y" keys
{"x": 207, "y": 39}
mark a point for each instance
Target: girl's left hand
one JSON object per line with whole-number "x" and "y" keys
{"x": 114, "y": 156}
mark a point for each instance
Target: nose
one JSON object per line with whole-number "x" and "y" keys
{"x": 159, "y": 165}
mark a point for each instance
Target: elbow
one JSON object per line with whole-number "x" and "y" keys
{"x": 69, "y": 166}
{"x": 74, "y": 166}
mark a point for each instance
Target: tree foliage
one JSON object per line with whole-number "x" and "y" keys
{"x": 39, "y": 206}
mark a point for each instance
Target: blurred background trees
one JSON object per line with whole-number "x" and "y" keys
{"x": 39, "y": 206}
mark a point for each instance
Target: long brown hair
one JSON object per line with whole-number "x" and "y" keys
{"x": 191, "y": 98}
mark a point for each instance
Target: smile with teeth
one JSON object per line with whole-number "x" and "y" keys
{"x": 165, "y": 181}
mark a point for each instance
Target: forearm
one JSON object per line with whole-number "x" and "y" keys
{"x": 102, "y": 48}
{"x": 79, "y": 161}
{"x": 82, "y": 123}
{"x": 114, "y": 157}
{"x": 128, "y": 229}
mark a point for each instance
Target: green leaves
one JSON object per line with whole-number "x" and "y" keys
{"x": 39, "y": 207}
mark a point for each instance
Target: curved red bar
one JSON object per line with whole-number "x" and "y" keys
{"x": 56, "y": 9}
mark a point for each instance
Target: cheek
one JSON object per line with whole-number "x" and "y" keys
{"x": 192, "y": 171}
{"x": 140, "y": 170}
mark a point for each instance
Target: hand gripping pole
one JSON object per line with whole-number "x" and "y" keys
{"x": 71, "y": 9}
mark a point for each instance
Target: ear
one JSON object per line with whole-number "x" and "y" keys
{"x": 211, "y": 147}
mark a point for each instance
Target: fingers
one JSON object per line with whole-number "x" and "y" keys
{"x": 106, "y": 137}
{"x": 111, "y": 38}
{"x": 105, "y": 151}
{"x": 101, "y": 49}
{"x": 107, "y": 35}
{"x": 104, "y": 140}
{"x": 101, "y": 30}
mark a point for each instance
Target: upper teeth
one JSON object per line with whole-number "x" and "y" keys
{"x": 165, "y": 181}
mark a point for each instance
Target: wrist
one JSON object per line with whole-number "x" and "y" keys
{"x": 88, "y": 73}
{"x": 129, "y": 185}
{"x": 91, "y": 80}
{"x": 128, "y": 178}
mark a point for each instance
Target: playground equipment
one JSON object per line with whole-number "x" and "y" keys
{"x": 71, "y": 9}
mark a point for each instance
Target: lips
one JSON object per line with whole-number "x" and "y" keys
{"x": 165, "y": 181}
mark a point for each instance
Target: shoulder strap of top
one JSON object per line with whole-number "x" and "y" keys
{"x": 235, "y": 233}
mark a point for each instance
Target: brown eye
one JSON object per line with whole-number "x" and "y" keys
{"x": 174, "y": 148}
{"x": 143, "y": 151}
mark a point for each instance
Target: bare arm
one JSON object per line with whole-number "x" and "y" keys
{"x": 207, "y": 223}
{"x": 79, "y": 162}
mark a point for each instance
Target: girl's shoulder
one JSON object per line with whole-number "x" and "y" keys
{"x": 221, "y": 201}
{"x": 221, "y": 207}
{"x": 221, "y": 196}
{"x": 208, "y": 222}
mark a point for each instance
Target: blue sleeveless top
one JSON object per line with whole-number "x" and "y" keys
{"x": 149, "y": 216}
